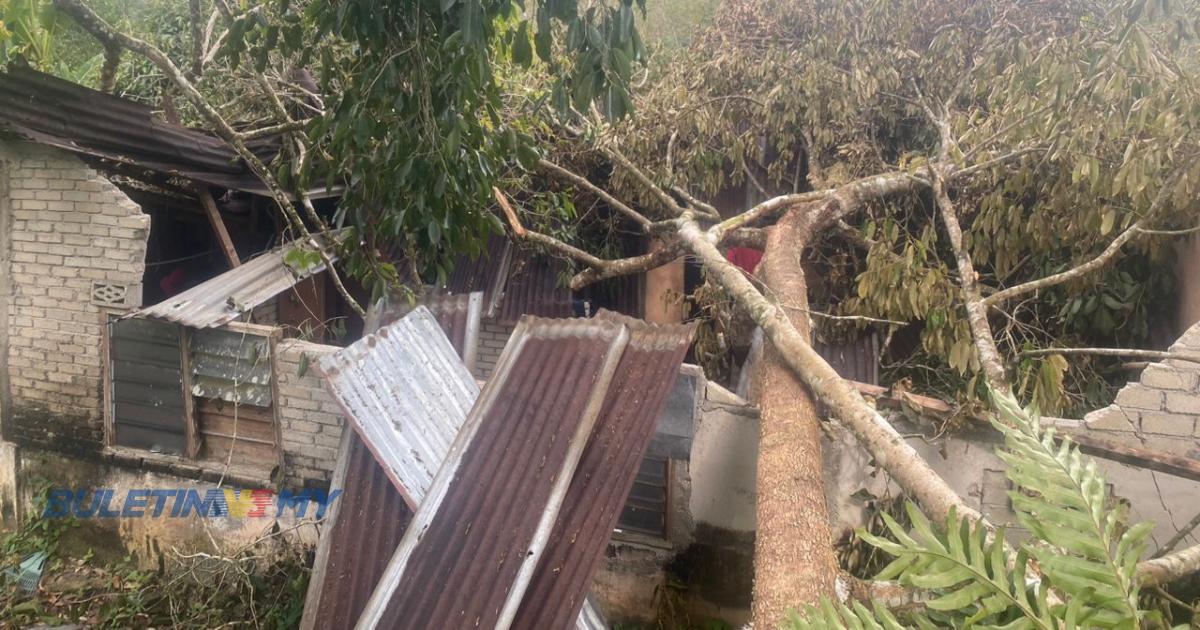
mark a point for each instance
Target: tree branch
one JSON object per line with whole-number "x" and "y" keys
{"x": 889, "y": 449}
{"x": 1096, "y": 263}
{"x": 95, "y": 25}
{"x": 582, "y": 182}
{"x": 977, "y": 314}
{"x": 1114, "y": 352}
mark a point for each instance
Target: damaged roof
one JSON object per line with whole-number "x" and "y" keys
{"x": 635, "y": 399}
{"x": 357, "y": 541}
{"x": 406, "y": 391}
{"x": 220, "y": 300}
{"x": 54, "y": 112}
{"x": 407, "y": 398}
{"x": 514, "y": 281}
{"x": 519, "y": 515}
{"x": 491, "y": 507}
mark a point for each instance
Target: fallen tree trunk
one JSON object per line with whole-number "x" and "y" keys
{"x": 794, "y": 563}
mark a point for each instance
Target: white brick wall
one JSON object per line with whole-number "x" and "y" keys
{"x": 310, "y": 420}
{"x": 492, "y": 337}
{"x": 66, "y": 228}
{"x": 1162, "y": 408}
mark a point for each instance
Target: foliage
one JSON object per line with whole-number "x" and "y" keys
{"x": 793, "y": 96}
{"x": 414, "y": 123}
{"x": 1078, "y": 569}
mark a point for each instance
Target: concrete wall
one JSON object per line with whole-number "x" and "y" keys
{"x": 310, "y": 419}
{"x": 75, "y": 249}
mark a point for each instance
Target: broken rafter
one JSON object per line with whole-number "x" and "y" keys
{"x": 218, "y": 225}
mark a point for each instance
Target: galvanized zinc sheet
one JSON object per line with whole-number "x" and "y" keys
{"x": 486, "y": 272}
{"x": 459, "y": 316}
{"x": 234, "y": 293}
{"x": 475, "y": 541}
{"x": 406, "y": 391}
{"x": 594, "y": 501}
{"x": 231, "y": 366}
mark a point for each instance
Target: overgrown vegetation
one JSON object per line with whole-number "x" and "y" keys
{"x": 259, "y": 585}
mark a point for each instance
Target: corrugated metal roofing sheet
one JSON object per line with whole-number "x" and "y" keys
{"x": 486, "y": 272}
{"x": 58, "y": 113}
{"x": 459, "y": 316}
{"x": 534, "y": 287}
{"x": 358, "y": 540}
{"x": 480, "y": 533}
{"x": 440, "y": 393}
{"x": 857, "y": 360}
{"x": 645, "y": 376}
{"x": 406, "y": 391}
{"x": 222, "y": 299}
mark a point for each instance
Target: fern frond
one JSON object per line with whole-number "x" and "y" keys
{"x": 1082, "y": 550}
{"x": 1061, "y": 499}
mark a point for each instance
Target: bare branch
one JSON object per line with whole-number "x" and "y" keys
{"x": 1114, "y": 352}
{"x": 273, "y": 130}
{"x": 582, "y": 182}
{"x": 846, "y": 198}
{"x": 1169, "y": 568}
{"x": 891, "y": 452}
{"x": 98, "y": 28}
{"x": 981, "y": 330}
{"x": 1099, "y": 261}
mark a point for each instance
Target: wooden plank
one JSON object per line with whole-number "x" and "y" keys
{"x": 1175, "y": 465}
{"x": 925, "y": 403}
{"x": 254, "y": 431}
{"x": 192, "y": 444}
{"x": 216, "y": 447}
{"x": 208, "y": 407}
{"x": 218, "y": 225}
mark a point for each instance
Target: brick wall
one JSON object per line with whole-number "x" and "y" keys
{"x": 66, "y": 228}
{"x": 492, "y": 337}
{"x": 310, "y": 420}
{"x": 1162, "y": 407}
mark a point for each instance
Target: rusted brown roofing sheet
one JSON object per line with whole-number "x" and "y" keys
{"x": 486, "y": 272}
{"x": 475, "y": 541}
{"x": 357, "y": 541}
{"x": 857, "y": 360}
{"x": 593, "y": 503}
{"x": 222, "y": 299}
{"x": 58, "y": 113}
{"x": 534, "y": 287}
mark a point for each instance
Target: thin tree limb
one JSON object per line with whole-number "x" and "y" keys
{"x": 95, "y": 25}
{"x": 1115, "y": 352}
{"x": 977, "y": 314}
{"x": 1110, "y": 252}
{"x": 582, "y": 182}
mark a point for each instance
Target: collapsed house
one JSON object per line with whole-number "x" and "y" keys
{"x": 150, "y": 324}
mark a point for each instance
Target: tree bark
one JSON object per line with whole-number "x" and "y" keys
{"x": 794, "y": 563}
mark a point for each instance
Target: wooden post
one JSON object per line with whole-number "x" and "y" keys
{"x": 191, "y": 430}
{"x": 218, "y": 226}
